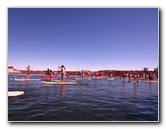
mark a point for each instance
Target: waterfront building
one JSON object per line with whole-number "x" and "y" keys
{"x": 145, "y": 69}
{"x": 156, "y": 69}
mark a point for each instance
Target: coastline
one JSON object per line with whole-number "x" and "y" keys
{"x": 116, "y": 73}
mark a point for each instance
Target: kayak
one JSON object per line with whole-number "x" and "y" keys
{"x": 15, "y": 93}
{"x": 60, "y": 82}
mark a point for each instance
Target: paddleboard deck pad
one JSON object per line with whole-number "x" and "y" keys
{"x": 59, "y": 82}
{"x": 15, "y": 93}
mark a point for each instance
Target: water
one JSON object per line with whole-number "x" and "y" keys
{"x": 89, "y": 100}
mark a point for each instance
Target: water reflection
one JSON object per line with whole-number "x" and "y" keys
{"x": 135, "y": 89}
{"x": 62, "y": 95}
{"x": 124, "y": 86}
{"x": 27, "y": 85}
{"x": 62, "y": 91}
{"x": 150, "y": 88}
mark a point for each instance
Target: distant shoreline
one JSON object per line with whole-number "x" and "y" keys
{"x": 116, "y": 73}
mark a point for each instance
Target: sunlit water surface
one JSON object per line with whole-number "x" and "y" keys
{"x": 89, "y": 100}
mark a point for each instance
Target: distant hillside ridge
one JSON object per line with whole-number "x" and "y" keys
{"x": 12, "y": 70}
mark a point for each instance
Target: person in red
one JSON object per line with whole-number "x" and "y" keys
{"x": 28, "y": 72}
{"x": 82, "y": 74}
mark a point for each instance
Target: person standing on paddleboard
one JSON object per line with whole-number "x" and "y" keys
{"x": 28, "y": 72}
{"x": 82, "y": 74}
{"x": 63, "y": 70}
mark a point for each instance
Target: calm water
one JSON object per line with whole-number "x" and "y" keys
{"x": 89, "y": 100}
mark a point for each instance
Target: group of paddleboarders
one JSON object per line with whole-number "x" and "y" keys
{"x": 85, "y": 73}
{"x": 50, "y": 74}
{"x": 88, "y": 74}
{"x": 137, "y": 76}
{"x": 128, "y": 75}
{"x": 152, "y": 76}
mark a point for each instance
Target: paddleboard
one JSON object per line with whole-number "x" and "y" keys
{"x": 87, "y": 79}
{"x": 110, "y": 78}
{"x": 15, "y": 93}
{"x": 83, "y": 78}
{"x": 59, "y": 82}
{"x": 150, "y": 80}
{"x": 97, "y": 77}
{"x": 52, "y": 81}
{"x": 24, "y": 79}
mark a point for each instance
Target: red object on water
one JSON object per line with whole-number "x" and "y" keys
{"x": 48, "y": 78}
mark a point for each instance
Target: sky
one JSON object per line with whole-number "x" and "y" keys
{"x": 83, "y": 38}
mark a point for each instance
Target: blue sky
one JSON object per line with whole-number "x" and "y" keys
{"x": 83, "y": 38}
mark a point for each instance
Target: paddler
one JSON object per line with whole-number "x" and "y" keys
{"x": 28, "y": 72}
{"x": 63, "y": 70}
{"x": 82, "y": 74}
